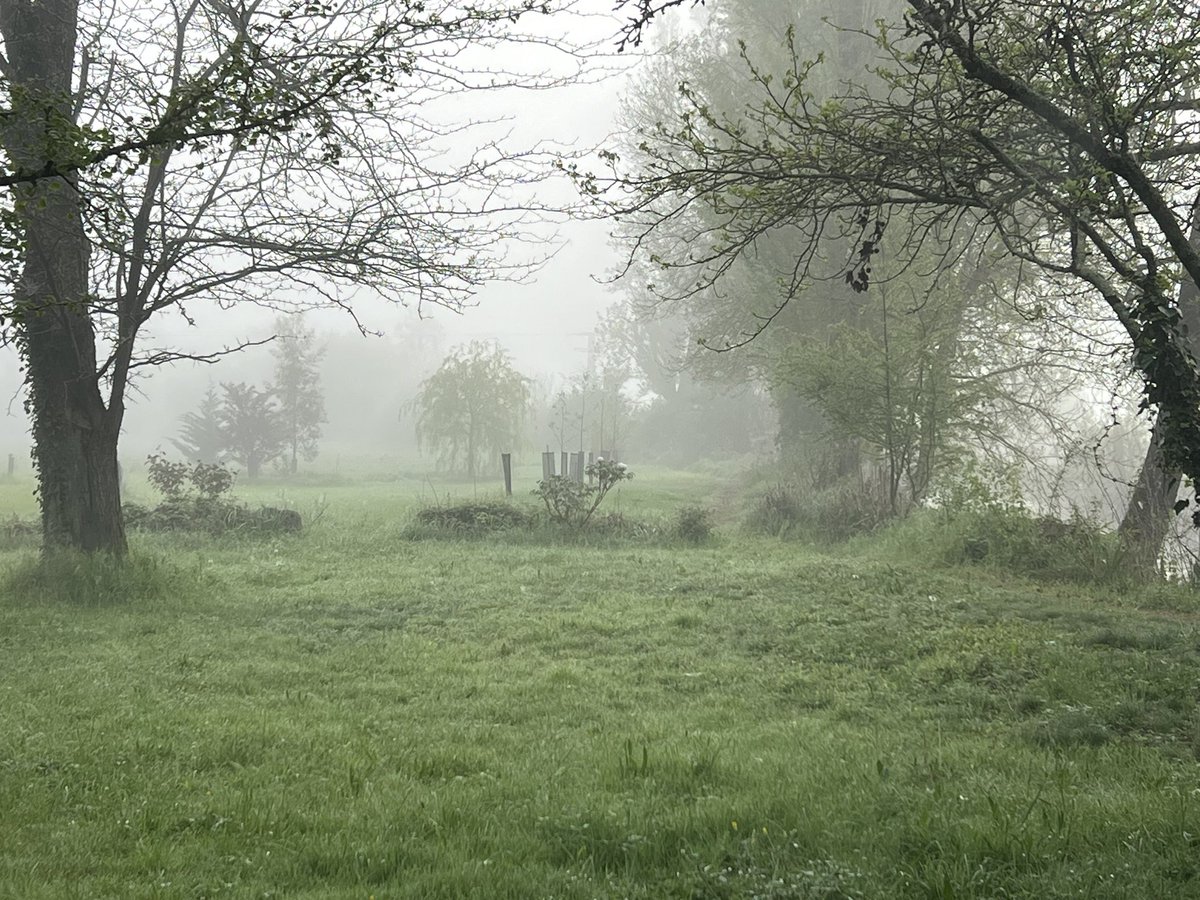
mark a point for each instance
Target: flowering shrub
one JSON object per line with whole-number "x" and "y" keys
{"x": 571, "y": 502}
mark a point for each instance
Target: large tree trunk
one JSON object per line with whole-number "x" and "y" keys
{"x": 1148, "y": 517}
{"x": 75, "y": 434}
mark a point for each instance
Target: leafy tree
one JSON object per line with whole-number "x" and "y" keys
{"x": 910, "y": 383}
{"x": 473, "y": 407}
{"x": 1062, "y": 129}
{"x": 252, "y": 429}
{"x": 160, "y": 154}
{"x": 297, "y": 389}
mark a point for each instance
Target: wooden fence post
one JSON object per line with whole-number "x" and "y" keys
{"x": 547, "y": 465}
{"x": 506, "y": 464}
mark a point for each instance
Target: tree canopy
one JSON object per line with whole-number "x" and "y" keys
{"x": 1061, "y": 130}
{"x": 474, "y": 407}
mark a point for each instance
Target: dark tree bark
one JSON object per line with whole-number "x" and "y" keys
{"x": 1147, "y": 518}
{"x": 75, "y": 433}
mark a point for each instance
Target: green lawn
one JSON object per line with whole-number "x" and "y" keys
{"x": 354, "y": 713}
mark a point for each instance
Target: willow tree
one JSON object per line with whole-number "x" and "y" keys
{"x": 474, "y": 406}
{"x": 166, "y": 157}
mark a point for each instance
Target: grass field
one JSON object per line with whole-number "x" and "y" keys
{"x": 354, "y": 713}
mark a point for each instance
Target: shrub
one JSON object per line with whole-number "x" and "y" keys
{"x": 776, "y": 511}
{"x": 977, "y": 517}
{"x": 172, "y": 479}
{"x": 194, "y": 501}
{"x": 836, "y": 513}
{"x": 1013, "y": 539}
{"x": 212, "y": 516}
{"x": 693, "y": 524}
{"x": 617, "y": 525}
{"x": 475, "y": 517}
{"x": 570, "y": 502}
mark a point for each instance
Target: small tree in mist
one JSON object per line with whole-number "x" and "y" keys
{"x": 252, "y": 429}
{"x": 200, "y": 436}
{"x": 297, "y": 389}
{"x": 475, "y": 406}
{"x": 593, "y": 413}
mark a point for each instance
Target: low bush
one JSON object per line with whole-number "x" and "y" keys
{"x": 619, "y": 525}
{"x": 776, "y": 511}
{"x": 214, "y": 516}
{"x": 1015, "y": 540}
{"x": 195, "y": 500}
{"x": 475, "y": 518}
{"x": 570, "y": 502}
{"x": 978, "y": 518}
{"x": 693, "y": 524}
{"x": 836, "y": 513}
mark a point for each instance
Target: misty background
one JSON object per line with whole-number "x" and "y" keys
{"x": 566, "y": 321}
{"x": 544, "y": 323}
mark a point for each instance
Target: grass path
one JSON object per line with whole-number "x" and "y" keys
{"x": 352, "y": 714}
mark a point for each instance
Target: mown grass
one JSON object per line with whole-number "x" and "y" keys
{"x": 352, "y": 713}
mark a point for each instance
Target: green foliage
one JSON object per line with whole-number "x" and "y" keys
{"x": 1016, "y": 541}
{"x": 475, "y": 518}
{"x": 840, "y": 158}
{"x": 693, "y": 524}
{"x": 194, "y": 500}
{"x": 252, "y": 429}
{"x": 891, "y": 380}
{"x": 63, "y": 576}
{"x": 175, "y": 479}
{"x": 570, "y": 502}
{"x": 211, "y": 515}
{"x": 473, "y": 408}
{"x": 849, "y": 507}
{"x": 776, "y": 511}
{"x": 980, "y": 519}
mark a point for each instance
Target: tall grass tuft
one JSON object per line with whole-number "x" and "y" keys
{"x": 100, "y": 579}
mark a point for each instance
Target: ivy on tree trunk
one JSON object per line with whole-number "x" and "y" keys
{"x": 75, "y": 432}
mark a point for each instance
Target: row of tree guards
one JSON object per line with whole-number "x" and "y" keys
{"x": 574, "y": 465}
